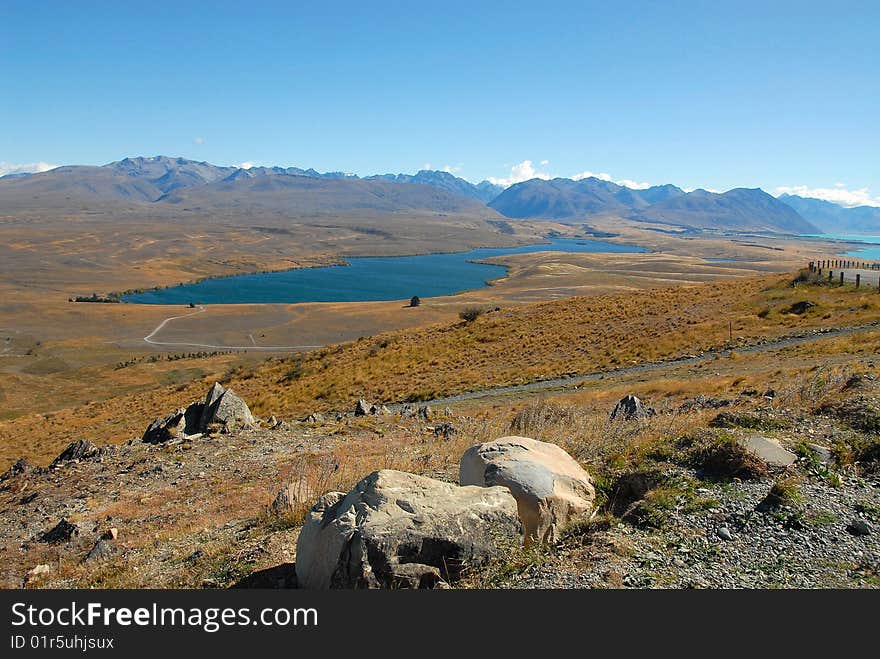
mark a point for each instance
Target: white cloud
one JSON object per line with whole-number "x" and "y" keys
{"x": 198, "y": 140}
{"x": 544, "y": 163}
{"x": 603, "y": 176}
{"x": 26, "y": 167}
{"x": 247, "y": 164}
{"x": 524, "y": 171}
{"x": 451, "y": 169}
{"x": 839, "y": 194}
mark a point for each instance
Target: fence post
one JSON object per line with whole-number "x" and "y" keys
{"x": 841, "y": 277}
{"x": 858, "y": 280}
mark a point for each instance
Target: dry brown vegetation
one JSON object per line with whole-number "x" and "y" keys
{"x": 511, "y": 346}
{"x": 547, "y": 340}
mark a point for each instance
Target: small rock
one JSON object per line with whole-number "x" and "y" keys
{"x": 102, "y": 549}
{"x": 859, "y": 527}
{"x": 111, "y": 534}
{"x": 362, "y": 408}
{"x": 724, "y": 533}
{"x": 630, "y": 408}
{"x": 39, "y": 570}
{"x": 63, "y": 531}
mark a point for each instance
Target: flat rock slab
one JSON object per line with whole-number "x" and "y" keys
{"x": 768, "y": 450}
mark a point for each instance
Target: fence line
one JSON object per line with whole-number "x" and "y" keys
{"x": 848, "y": 270}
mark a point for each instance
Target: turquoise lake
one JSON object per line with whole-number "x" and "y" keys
{"x": 365, "y": 278}
{"x": 871, "y": 251}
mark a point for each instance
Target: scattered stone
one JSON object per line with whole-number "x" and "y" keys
{"x": 383, "y": 411}
{"x": 551, "y": 489}
{"x": 63, "y": 531}
{"x": 102, "y": 549}
{"x": 39, "y": 570}
{"x": 770, "y": 394}
{"x": 20, "y": 468}
{"x": 724, "y": 533}
{"x": 768, "y": 450}
{"x": 315, "y": 418}
{"x": 799, "y": 308}
{"x": 447, "y": 411}
{"x": 445, "y": 430}
{"x": 362, "y": 408}
{"x": 630, "y": 408}
{"x": 81, "y": 449}
{"x": 822, "y": 453}
{"x": 289, "y": 497}
{"x": 111, "y": 534}
{"x": 859, "y": 527}
{"x": 425, "y": 413}
{"x": 272, "y": 422}
{"x": 407, "y": 411}
{"x": 392, "y": 519}
{"x": 194, "y": 557}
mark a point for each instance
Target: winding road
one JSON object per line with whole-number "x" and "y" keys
{"x": 149, "y": 338}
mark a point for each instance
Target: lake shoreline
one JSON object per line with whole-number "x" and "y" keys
{"x": 429, "y": 275}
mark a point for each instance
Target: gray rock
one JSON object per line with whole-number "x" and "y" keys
{"x": 362, "y": 408}
{"x": 397, "y": 529}
{"x": 768, "y": 450}
{"x": 63, "y": 531}
{"x": 859, "y": 527}
{"x": 630, "y": 408}
{"x": 20, "y": 468}
{"x": 181, "y": 423}
{"x": 724, "y": 533}
{"x": 315, "y": 417}
{"x": 81, "y": 449}
{"x": 224, "y": 407}
{"x": 425, "y": 413}
{"x": 102, "y": 549}
{"x": 551, "y": 489}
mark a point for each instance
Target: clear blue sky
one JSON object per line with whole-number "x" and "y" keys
{"x": 712, "y": 94}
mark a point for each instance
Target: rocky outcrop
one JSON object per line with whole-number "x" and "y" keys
{"x": 225, "y": 408}
{"x": 551, "y": 489}
{"x": 395, "y": 529}
{"x": 630, "y": 408}
{"x": 81, "y": 449}
{"x": 363, "y": 408}
{"x": 181, "y": 423}
{"x": 221, "y": 407}
{"x": 21, "y": 468}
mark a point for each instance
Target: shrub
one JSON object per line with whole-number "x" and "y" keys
{"x": 470, "y": 314}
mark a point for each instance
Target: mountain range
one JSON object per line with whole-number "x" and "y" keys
{"x": 832, "y": 218}
{"x": 169, "y": 183}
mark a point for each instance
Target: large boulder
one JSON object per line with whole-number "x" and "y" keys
{"x": 630, "y": 408}
{"x": 395, "y": 529}
{"x": 551, "y": 489}
{"x": 224, "y": 407}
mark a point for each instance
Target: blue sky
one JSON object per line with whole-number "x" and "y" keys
{"x": 701, "y": 94}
